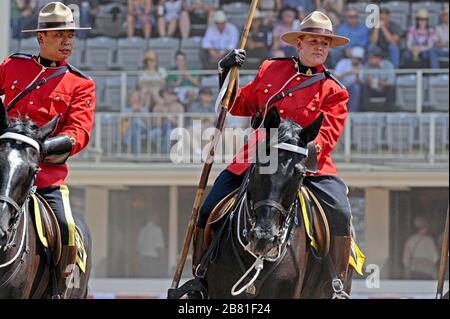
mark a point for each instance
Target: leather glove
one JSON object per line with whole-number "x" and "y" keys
{"x": 234, "y": 57}
{"x": 56, "y": 150}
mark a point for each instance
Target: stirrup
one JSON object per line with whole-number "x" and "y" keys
{"x": 338, "y": 290}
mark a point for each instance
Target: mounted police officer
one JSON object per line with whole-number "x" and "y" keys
{"x": 321, "y": 94}
{"x": 65, "y": 91}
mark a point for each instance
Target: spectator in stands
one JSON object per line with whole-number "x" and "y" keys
{"x": 183, "y": 79}
{"x": 133, "y": 128}
{"x": 220, "y": 37}
{"x": 173, "y": 16}
{"x": 420, "y": 254}
{"x": 160, "y": 135}
{"x": 87, "y": 11}
{"x": 259, "y": 41}
{"x": 419, "y": 41}
{"x": 139, "y": 17}
{"x": 378, "y": 79}
{"x": 151, "y": 80}
{"x": 387, "y": 37}
{"x": 348, "y": 71}
{"x": 199, "y": 16}
{"x": 204, "y": 103}
{"x": 440, "y": 48}
{"x": 21, "y": 17}
{"x": 306, "y": 5}
{"x": 356, "y": 31}
{"x": 332, "y": 8}
{"x": 286, "y": 24}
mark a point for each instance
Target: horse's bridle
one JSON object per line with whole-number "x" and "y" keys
{"x": 274, "y": 204}
{"x": 19, "y": 209}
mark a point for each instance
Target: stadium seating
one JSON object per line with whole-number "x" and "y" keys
{"x": 78, "y": 55}
{"x": 236, "y": 13}
{"x": 100, "y": 53}
{"x": 130, "y": 52}
{"x": 367, "y": 133}
{"x": 14, "y": 46}
{"x": 29, "y": 45}
{"x": 439, "y": 92}
{"x": 165, "y": 49}
{"x": 192, "y": 48}
{"x": 400, "y": 132}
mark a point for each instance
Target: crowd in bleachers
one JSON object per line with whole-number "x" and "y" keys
{"x": 168, "y": 41}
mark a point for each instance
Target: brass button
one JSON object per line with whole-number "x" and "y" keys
{"x": 290, "y": 94}
{"x": 266, "y": 91}
{"x": 281, "y": 111}
{"x": 38, "y": 87}
{"x": 313, "y": 108}
{"x": 57, "y": 98}
{"x": 15, "y": 82}
{"x": 13, "y": 87}
{"x": 298, "y": 78}
{"x": 31, "y": 102}
{"x": 269, "y": 85}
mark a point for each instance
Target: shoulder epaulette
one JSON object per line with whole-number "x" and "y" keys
{"x": 329, "y": 75}
{"x": 78, "y": 72}
{"x": 21, "y": 56}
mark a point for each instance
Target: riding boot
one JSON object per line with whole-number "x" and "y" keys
{"x": 198, "y": 248}
{"x": 340, "y": 254}
{"x": 65, "y": 269}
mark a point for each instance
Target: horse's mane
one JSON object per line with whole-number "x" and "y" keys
{"x": 288, "y": 131}
{"x": 22, "y": 126}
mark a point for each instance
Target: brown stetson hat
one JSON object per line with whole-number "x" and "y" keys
{"x": 55, "y": 16}
{"x": 316, "y": 23}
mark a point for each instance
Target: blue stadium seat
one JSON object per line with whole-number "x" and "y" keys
{"x": 441, "y": 127}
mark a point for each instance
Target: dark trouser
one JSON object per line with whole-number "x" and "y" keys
{"x": 329, "y": 190}
{"x": 58, "y": 199}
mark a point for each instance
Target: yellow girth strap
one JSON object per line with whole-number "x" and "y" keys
{"x": 38, "y": 221}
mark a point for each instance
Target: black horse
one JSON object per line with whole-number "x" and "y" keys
{"x": 25, "y": 266}
{"x": 262, "y": 249}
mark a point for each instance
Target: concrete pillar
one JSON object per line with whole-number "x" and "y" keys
{"x": 5, "y": 8}
{"x": 377, "y": 227}
{"x": 96, "y": 203}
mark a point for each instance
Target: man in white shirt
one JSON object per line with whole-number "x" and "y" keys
{"x": 220, "y": 38}
{"x": 151, "y": 248}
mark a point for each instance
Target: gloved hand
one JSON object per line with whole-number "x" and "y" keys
{"x": 234, "y": 57}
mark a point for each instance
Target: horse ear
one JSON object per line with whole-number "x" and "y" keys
{"x": 310, "y": 132}
{"x": 47, "y": 129}
{"x": 4, "y": 122}
{"x": 272, "y": 118}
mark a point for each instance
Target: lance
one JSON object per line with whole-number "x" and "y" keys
{"x": 210, "y": 158}
{"x": 443, "y": 263}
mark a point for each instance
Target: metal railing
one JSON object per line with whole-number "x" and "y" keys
{"x": 377, "y": 138}
{"x": 415, "y": 88}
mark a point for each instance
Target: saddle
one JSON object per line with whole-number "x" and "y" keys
{"x": 311, "y": 213}
{"x": 47, "y": 227}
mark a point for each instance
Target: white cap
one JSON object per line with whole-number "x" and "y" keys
{"x": 220, "y": 17}
{"x": 358, "y": 52}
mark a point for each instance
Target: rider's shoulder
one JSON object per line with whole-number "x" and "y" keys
{"x": 331, "y": 76}
{"x": 19, "y": 55}
{"x": 78, "y": 72}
